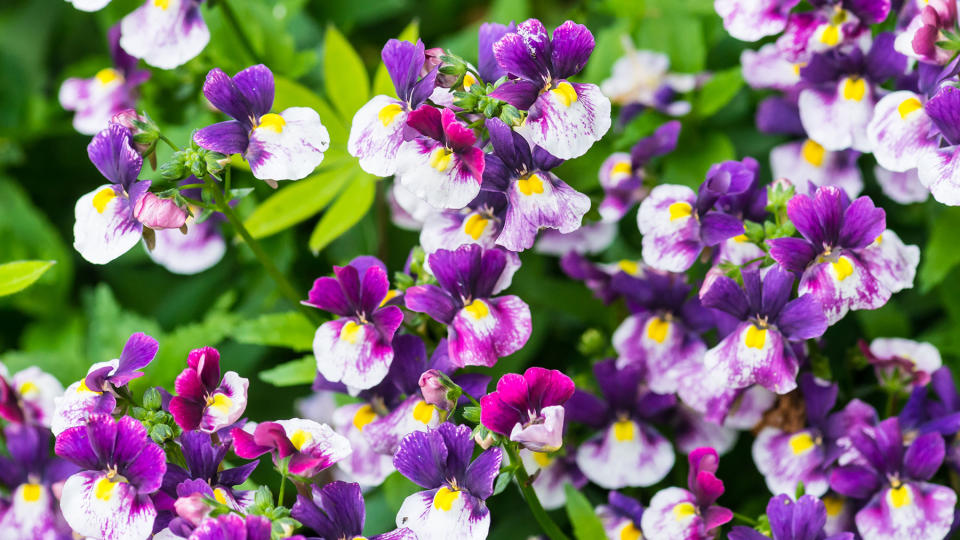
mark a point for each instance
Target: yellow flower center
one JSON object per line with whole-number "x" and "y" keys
{"x": 220, "y": 402}
{"x": 630, "y": 532}
{"x": 830, "y": 35}
{"x": 565, "y": 94}
{"x": 813, "y": 153}
{"x": 477, "y": 309}
{"x": 272, "y": 121}
{"x": 391, "y": 294}
{"x": 389, "y": 113}
{"x": 909, "y": 106}
{"x": 801, "y": 443}
{"x": 444, "y": 498}
{"x": 350, "y": 332}
{"x": 680, "y": 209}
{"x": 683, "y": 510}
{"x": 84, "y": 388}
{"x": 854, "y": 88}
{"x": 899, "y": 496}
{"x": 30, "y": 492}
{"x": 220, "y": 496}
{"x": 755, "y": 337}
{"x": 843, "y": 268}
{"x": 28, "y": 388}
{"x": 103, "y": 198}
{"x": 623, "y": 430}
{"x": 363, "y": 416}
{"x": 440, "y": 159}
{"x": 103, "y": 488}
{"x": 657, "y": 329}
{"x": 475, "y": 225}
{"x": 833, "y": 504}
{"x": 468, "y": 81}
{"x": 629, "y": 267}
{"x": 423, "y": 412}
{"x": 300, "y": 439}
{"x": 622, "y": 168}
{"x": 542, "y": 459}
{"x": 530, "y": 185}
{"x": 162, "y": 4}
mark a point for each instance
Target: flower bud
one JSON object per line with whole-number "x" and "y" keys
{"x": 157, "y": 213}
{"x": 142, "y": 130}
{"x": 434, "y": 391}
{"x": 193, "y": 509}
{"x": 483, "y": 437}
{"x": 510, "y": 115}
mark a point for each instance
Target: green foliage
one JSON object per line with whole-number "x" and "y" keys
{"x": 348, "y": 209}
{"x": 347, "y": 82}
{"x": 290, "y": 329}
{"x": 940, "y": 254}
{"x": 17, "y": 276}
{"x": 296, "y": 202}
{"x": 292, "y": 373}
{"x": 718, "y": 91}
{"x": 586, "y": 524}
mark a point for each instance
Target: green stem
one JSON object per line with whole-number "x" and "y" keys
{"x": 169, "y": 142}
{"x": 285, "y": 287}
{"x": 283, "y": 485}
{"x": 748, "y": 520}
{"x": 238, "y": 30}
{"x": 523, "y": 480}
{"x": 891, "y": 403}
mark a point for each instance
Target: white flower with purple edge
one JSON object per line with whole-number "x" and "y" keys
{"x": 165, "y": 33}
{"x": 28, "y": 396}
{"x": 310, "y": 447}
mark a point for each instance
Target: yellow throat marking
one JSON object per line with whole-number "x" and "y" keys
{"x": 909, "y": 106}
{"x": 657, "y": 329}
{"x": 683, "y": 510}
{"x": 220, "y": 402}
{"x": 899, "y": 496}
{"x": 363, "y": 416}
{"x": 477, "y": 309}
{"x": 755, "y": 337}
{"x": 440, "y": 159}
{"x": 272, "y": 121}
{"x": 423, "y": 412}
{"x": 813, "y": 153}
{"x": 854, "y": 88}
{"x": 475, "y": 225}
{"x": 300, "y": 438}
{"x": 31, "y": 492}
{"x": 389, "y": 113}
{"x": 350, "y": 332}
{"x": 630, "y": 532}
{"x": 565, "y": 93}
{"x": 103, "y": 198}
{"x": 801, "y": 443}
{"x": 445, "y": 498}
{"x": 108, "y": 75}
{"x": 680, "y": 209}
{"x": 623, "y": 430}
{"x": 530, "y": 185}
{"x": 843, "y": 268}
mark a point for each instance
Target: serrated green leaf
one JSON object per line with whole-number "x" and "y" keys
{"x": 718, "y": 91}
{"x": 586, "y": 524}
{"x": 382, "y": 84}
{"x": 352, "y": 204}
{"x": 345, "y": 76}
{"x": 292, "y": 373}
{"x": 941, "y": 254}
{"x": 292, "y": 94}
{"x": 18, "y": 275}
{"x": 296, "y": 202}
{"x": 290, "y": 329}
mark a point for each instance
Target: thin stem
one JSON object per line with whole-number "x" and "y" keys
{"x": 169, "y": 142}
{"x": 238, "y": 30}
{"x": 749, "y": 520}
{"x": 523, "y": 480}
{"x": 283, "y": 485}
{"x": 285, "y": 287}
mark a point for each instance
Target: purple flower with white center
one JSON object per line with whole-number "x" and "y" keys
{"x": 622, "y": 174}
{"x": 455, "y": 488}
{"x": 33, "y": 478}
{"x": 678, "y": 224}
{"x": 377, "y": 129}
{"x": 551, "y": 473}
{"x": 536, "y": 198}
{"x": 95, "y": 392}
{"x": 165, "y": 33}
{"x": 105, "y": 226}
{"x": 751, "y": 20}
{"x": 563, "y": 118}
{"x": 641, "y": 78}
{"x": 311, "y": 447}
{"x": 28, "y": 396}
{"x": 837, "y": 107}
{"x": 769, "y": 67}
{"x": 481, "y": 328}
{"x": 528, "y": 408}
{"x": 833, "y": 24}
{"x": 355, "y": 348}
{"x": 808, "y": 163}
{"x": 337, "y": 512}
{"x": 902, "y": 503}
{"x": 589, "y": 238}
{"x": 203, "y": 400}
{"x": 440, "y": 163}
{"x": 689, "y": 514}
{"x": 663, "y": 333}
{"x": 909, "y": 362}
{"x": 846, "y": 259}
{"x": 919, "y": 40}
{"x": 922, "y": 414}
{"x": 621, "y": 517}
{"x": 901, "y": 187}
{"x": 284, "y": 146}
{"x": 628, "y": 450}
{"x": 235, "y": 527}
{"x": 759, "y": 349}
{"x": 789, "y": 520}
{"x": 112, "y": 90}
{"x": 122, "y": 467}
{"x": 786, "y": 459}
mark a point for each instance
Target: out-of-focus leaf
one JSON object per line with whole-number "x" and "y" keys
{"x": 110, "y": 325}
{"x": 718, "y": 91}
{"x": 291, "y": 329}
{"x": 17, "y": 276}
{"x": 586, "y": 524}
{"x": 292, "y": 94}
{"x": 688, "y": 165}
{"x": 345, "y": 76}
{"x": 296, "y": 202}
{"x": 504, "y": 11}
{"x": 292, "y": 373}
{"x": 609, "y": 48}
{"x": 941, "y": 253}
{"x": 382, "y": 84}
{"x": 679, "y": 36}
{"x": 397, "y": 488}
{"x": 348, "y": 209}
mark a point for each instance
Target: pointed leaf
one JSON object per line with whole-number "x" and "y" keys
{"x": 345, "y": 212}
{"x": 296, "y": 202}
{"x": 586, "y": 524}
{"x": 347, "y": 82}
{"x": 18, "y": 275}
{"x": 292, "y": 373}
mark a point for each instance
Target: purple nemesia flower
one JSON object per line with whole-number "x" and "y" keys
{"x": 640, "y": 79}
{"x": 112, "y": 90}
{"x": 122, "y": 467}
{"x": 758, "y": 350}
{"x": 455, "y": 488}
{"x": 337, "y": 511}
{"x": 749, "y": 20}
{"x": 628, "y": 450}
{"x": 203, "y": 400}
{"x": 376, "y": 132}
{"x": 528, "y": 408}
{"x": 165, "y": 33}
{"x": 551, "y": 474}
{"x": 28, "y": 396}
{"x": 924, "y": 415}
{"x": 902, "y": 503}
{"x": 622, "y": 174}
{"x": 355, "y": 349}
{"x": 809, "y": 165}
{"x": 201, "y": 248}
{"x": 481, "y": 328}
{"x": 284, "y": 146}
{"x": 235, "y": 527}
{"x": 621, "y": 517}
{"x": 846, "y": 258}
{"x": 833, "y": 24}
{"x": 689, "y": 514}
{"x": 536, "y": 198}
{"x": 438, "y": 162}
{"x": 563, "y": 118}
{"x": 920, "y": 38}
{"x": 33, "y": 478}
{"x": 311, "y": 447}
{"x": 789, "y": 520}
{"x": 677, "y": 224}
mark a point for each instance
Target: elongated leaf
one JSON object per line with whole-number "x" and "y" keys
{"x": 291, "y": 329}
{"x": 718, "y": 91}
{"x": 293, "y": 94}
{"x": 586, "y": 524}
{"x": 348, "y": 209}
{"x": 382, "y": 84}
{"x": 348, "y": 85}
{"x": 941, "y": 254}
{"x": 18, "y": 275}
{"x": 296, "y": 202}
{"x": 292, "y": 373}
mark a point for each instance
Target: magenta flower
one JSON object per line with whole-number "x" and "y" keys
{"x": 529, "y": 408}
{"x": 311, "y": 447}
{"x": 203, "y": 400}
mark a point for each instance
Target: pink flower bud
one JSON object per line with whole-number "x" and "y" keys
{"x": 433, "y": 390}
{"x": 192, "y": 508}
{"x": 157, "y": 213}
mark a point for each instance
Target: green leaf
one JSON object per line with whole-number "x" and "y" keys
{"x": 695, "y": 154}
{"x": 941, "y": 253}
{"x": 17, "y": 276}
{"x": 503, "y": 480}
{"x": 718, "y": 91}
{"x": 347, "y": 82}
{"x": 586, "y": 524}
{"x": 679, "y": 36}
{"x": 292, "y": 373}
{"x": 296, "y": 202}
{"x": 291, "y": 329}
{"x": 348, "y": 209}
{"x": 292, "y": 94}
{"x": 382, "y": 84}
{"x": 471, "y": 414}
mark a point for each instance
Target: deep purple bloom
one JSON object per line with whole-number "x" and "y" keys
{"x": 921, "y": 414}
{"x": 622, "y": 174}
{"x": 759, "y": 349}
{"x": 235, "y": 527}
{"x": 203, "y": 400}
{"x": 528, "y": 408}
{"x": 902, "y": 503}
{"x": 455, "y": 488}
{"x": 789, "y": 520}
{"x": 337, "y": 511}
{"x": 355, "y": 348}
{"x": 621, "y": 516}
{"x": 481, "y": 328}
{"x": 110, "y": 498}
{"x": 311, "y": 447}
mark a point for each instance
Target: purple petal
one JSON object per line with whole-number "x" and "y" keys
{"x": 480, "y": 474}
{"x": 431, "y": 300}
{"x": 112, "y": 152}
{"x": 724, "y": 294}
{"x": 230, "y": 137}
{"x": 422, "y": 458}
{"x": 924, "y": 456}
{"x": 404, "y": 61}
{"x": 777, "y": 287}
{"x": 223, "y": 93}
{"x": 519, "y": 93}
{"x": 794, "y": 254}
{"x": 137, "y": 353}
{"x": 516, "y": 59}
{"x": 373, "y": 289}
{"x": 944, "y": 110}
{"x": 716, "y": 227}
{"x": 489, "y": 34}
{"x": 74, "y": 444}
{"x": 862, "y": 224}
{"x": 802, "y": 318}
{"x": 572, "y": 45}
{"x": 256, "y": 85}
{"x": 854, "y": 481}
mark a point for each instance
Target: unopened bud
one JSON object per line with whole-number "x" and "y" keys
{"x": 484, "y": 438}
{"x": 434, "y": 391}
{"x": 143, "y": 131}
{"x": 157, "y": 213}
{"x": 193, "y": 508}
{"x": 511, "y": 115}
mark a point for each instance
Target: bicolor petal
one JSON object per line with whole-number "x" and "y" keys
{"x": 753, "y": 355}
{"x": 626, "y": 454}
{"x": 165, "y": 34}
{"x": 568, "y": 119}
{"x": 899, "y": 131}
{"x": 377, "y": 133}
{"x": 487, "y": 330}
{"x": 287, "y": 146}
